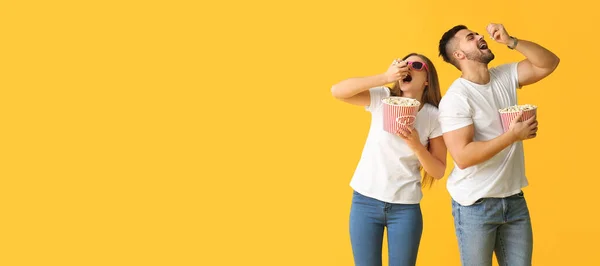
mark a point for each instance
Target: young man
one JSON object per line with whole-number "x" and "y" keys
{"x": 489, "y": 208}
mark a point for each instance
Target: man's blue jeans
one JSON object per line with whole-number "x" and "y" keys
{"x": 500, "y": 225}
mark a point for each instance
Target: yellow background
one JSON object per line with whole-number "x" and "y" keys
{"x": 204, "y": 133}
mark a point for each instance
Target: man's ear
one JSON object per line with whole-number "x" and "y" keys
{"x": 459, "y": 55}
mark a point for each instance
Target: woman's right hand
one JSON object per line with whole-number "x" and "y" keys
{"x": 397, "y": 71}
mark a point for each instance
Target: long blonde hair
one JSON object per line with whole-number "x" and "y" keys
{"x": 431, "y": 95}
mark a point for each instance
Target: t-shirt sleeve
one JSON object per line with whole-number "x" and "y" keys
{"x": 508, "y": 74}
{"x": 436, "y": 129}
{"x": 455, "y": 112}
{"x": 377, "y": 94}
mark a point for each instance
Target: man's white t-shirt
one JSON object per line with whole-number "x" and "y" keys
{"x": 388, "y": 169}
{"x": 467, "y": 103}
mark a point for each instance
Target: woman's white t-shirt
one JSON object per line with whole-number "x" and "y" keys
{"x": 388, "y": 169}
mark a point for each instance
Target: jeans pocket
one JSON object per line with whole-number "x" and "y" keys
{"x": 456, "y": 213}
{"x": 471, "y": 215}
{"x": 479, "y": 201}
{"x": 362, "y": 200}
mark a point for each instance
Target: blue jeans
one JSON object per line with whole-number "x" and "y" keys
{"x": 500, "y": 225}
{"x": 369, "y": 217}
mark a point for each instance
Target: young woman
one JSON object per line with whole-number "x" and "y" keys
{"x": 387, "y": 181}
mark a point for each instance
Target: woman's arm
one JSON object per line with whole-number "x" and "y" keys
{"x": 433, "y": 159}
{"x": 356, "y": 90}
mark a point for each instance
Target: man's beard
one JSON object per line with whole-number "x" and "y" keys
{"x": 478, "y": 56}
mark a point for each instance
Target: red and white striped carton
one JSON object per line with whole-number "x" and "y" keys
{"x": 399, "y": 112}
{"x": 508, "y": 114}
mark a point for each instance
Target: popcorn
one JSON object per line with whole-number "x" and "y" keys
{"x": 508, "y": 114}
{"x": 517, "y": 108}
{"x": 401, "y": 101}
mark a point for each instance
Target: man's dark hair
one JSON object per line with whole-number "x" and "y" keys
{"x": 444, "y": 42}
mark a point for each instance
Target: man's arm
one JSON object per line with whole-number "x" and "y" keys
{"x": 539, "y": 62}
{"x": 466, "y": 152}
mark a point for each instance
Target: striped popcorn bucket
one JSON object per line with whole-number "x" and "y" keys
{"x": 508, "y": 117}
{"x": 397, "y": 116}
